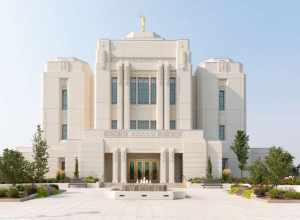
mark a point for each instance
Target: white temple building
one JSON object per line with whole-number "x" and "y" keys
{"x": 144, "y": 112}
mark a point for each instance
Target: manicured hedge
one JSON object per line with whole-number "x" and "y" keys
{"x": 20, "y": 191}
{"x": 283, "y": 194}
{"x": 263, "y": 191}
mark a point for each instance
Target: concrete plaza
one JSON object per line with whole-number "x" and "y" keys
{"x": 203, "y": 204}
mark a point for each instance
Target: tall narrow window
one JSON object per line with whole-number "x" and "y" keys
{"x": 64, "y": 132}
{"x": 114, "y": 124}
{"x": 153, "y": 90}
{"x": 153, "y": 124}
{"x": 61, "y": 163}
{"x": 132, "y": 90}
{"x": 132, "y": 124}
{"x": 64, "y": 99}
{"x": 221, "y": 100}
{"x": 143, "y": 91}
{"x": 172, "y": 91}
{"x": 114, "y": 91}
{"x": 143, "y": 124}
{"x": 172, "y": 124}
{"x": 222, "y": 132}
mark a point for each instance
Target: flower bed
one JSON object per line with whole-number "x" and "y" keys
{"x": 265, "y": 192}
{"x": 26, "y": 192}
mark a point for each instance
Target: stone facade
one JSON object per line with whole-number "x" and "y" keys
{"x": 79, "y": 114}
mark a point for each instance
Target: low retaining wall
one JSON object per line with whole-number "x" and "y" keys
{"x": 146, "y": 195}
{"x": 61, "y": 185}
{"x": 289, "y": 187}
{"x": 143, "y": 187}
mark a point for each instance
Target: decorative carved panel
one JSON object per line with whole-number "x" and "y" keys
{"x": 143, "y": 133}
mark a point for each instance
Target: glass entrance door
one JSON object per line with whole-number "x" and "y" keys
{"x": 140, "y": 168}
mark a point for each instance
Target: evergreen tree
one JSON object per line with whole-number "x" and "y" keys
{"x": 209, "y": 169}
{"x": 40, "y": 155}
{"x": 76, "y": 172}
{"x": 241, "y": 148}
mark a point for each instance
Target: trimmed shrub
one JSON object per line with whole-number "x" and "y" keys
{"x": 30, "y": 189}
{"x": 13, "y": 192}
{"x": 52, "y": 190}
{"x": 90, "y": 179}
{"x": 261, "y": 191}
{"x": 54, "y": 186}
{"x": 276, "y": 194}
{"x": 196, "y": 180}
{"x": 42, "y": 191}
{"x": 238, "y": 189}
{"x": 233, "y": 190}
{"x": 20, "y": 188}
{"x": 247, "y": 193}
{"x": 3, "y": 192}
{"x": 291, "y": 195}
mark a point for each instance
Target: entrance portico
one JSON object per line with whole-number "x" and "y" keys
{"x": 154, "y": 167}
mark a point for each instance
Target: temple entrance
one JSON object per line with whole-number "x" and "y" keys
{"x": 142, "y": 167}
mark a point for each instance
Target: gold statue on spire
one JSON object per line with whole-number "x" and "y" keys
{"x": 143, "y": 21}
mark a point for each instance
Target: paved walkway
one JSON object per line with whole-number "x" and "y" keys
{"x": 204, "y": 204}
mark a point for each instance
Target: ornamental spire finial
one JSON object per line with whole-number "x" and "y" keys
{"x": 143, "y": 21}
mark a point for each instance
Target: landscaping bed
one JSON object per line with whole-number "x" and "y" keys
{"x": 21, "y": 193}
{"x": 266, "y": 192}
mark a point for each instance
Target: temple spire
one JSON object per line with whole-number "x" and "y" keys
{"x": 143, "y": 21}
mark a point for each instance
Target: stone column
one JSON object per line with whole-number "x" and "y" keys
{"x": 171, "y": 165}
{"x": 115, "y": 165}
{"x": 159, "y": 98}
{"x": 120, "y": 97}
{"x": 127, "y": 96}
{"x": 163, "y": 161}
{"x": 102, "y": 160}
{"x": 123, "y": 165}
{"x": 167, "y": 96}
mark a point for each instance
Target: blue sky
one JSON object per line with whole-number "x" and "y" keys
{"x": 263, "y": 35}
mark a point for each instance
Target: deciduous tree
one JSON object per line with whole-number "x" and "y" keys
{"x": 40, "y": 155}
{"x": 279, "y": 164}
{"x": 241, "y": 148}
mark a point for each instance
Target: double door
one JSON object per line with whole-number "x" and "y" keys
{"x": 143, "y": 168}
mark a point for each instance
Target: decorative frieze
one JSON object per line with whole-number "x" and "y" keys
{"x": 143, "y": 133}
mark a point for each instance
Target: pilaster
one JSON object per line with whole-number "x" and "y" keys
{"x": 159, "y": 98}
{"x": 123, "y": 165}
{"x": 115, "y": 165}
{"x": 120, "y": 96}
{"x": 171, "y": 165}
{"x": 127, "y": 96}
{"x": 163, "y": 161}
{"x": 166, "y": 96}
